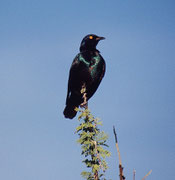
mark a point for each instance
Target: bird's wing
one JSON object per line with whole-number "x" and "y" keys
{"x": 103, "y": 69}
{"x": 95, "y": 85}
{"x": 72, "y": 76}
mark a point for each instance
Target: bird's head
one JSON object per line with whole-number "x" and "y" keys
{"x": 90, "y": 42}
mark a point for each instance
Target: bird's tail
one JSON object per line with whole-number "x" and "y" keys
{"x": 70, "y": 112}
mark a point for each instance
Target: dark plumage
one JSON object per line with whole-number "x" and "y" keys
{"x": 88, "y": 69}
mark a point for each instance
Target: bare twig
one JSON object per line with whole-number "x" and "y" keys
{"x": 122, "y": 177}
{"x": 134, "y": 174}
{"x": 85, "y": 102}
{"x": 147, "y": 175}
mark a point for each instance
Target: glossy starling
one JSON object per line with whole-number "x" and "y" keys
{"x": 87, "y": 71}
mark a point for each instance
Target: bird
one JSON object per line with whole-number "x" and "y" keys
{"x": 86, "y": 72}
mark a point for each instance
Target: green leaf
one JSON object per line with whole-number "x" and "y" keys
{"x": 92, "y": 141}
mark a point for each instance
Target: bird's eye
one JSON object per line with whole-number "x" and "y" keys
{"x": 90, "y": 37}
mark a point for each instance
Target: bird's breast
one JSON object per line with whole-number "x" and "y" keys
{"x": 91, "y": 66}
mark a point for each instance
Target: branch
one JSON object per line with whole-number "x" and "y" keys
{"x": 147, "y": 175}
{"x": 92, "y": 141}
{"x": 134, "y": 174}
{"x": 122, "y": 177}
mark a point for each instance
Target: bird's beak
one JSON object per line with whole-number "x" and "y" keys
{"x": 99, "y": 38}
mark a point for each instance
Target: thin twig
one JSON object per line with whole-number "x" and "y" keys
{"x": 122, "y": 177}
{"x": 134, "y": 174}
{"x": 147, "y": 175}
{"x": 83, "y": 91}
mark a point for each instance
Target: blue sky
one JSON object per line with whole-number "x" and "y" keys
{"x": 39, "y": 40}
